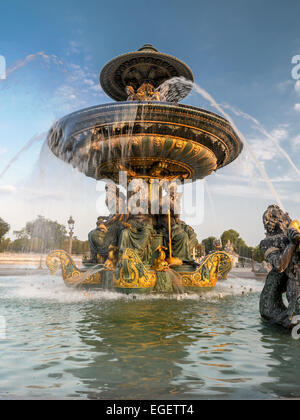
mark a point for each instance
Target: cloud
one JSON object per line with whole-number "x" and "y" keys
{"x": 296, "y": 142}
{"x": 21, "y": 63}
{"x": 282, "y": 87}
{"x": 89, "y": 82}
{"x": 264, "y": 149}
{"x": 35, "y": 194}
{"x": 29, "y": 194}
{"x": 297, "y": 107}
{"x": 280, "y": 133}
{"x": 297, "y": 87}
{"x": 259, "y": 191}
{"x": 92, "y": 85}
{"x": 80, "y": 88}
{"x": 7, "y": 189}
{"x": 2, "y": 150}
{"x": 66, "y": 93}
{"x": 75, "y": 47}
{"x": 241, "y": 169}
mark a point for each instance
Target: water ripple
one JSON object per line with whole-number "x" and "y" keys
{"x": 63, "y": 343}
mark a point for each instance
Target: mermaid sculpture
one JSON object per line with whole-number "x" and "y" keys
{"x": 281, "y": 250}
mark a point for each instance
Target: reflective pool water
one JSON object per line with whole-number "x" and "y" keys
{"x": 63, "y": 343}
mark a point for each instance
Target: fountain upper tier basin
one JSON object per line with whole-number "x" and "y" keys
{"x": 147, "y": 139}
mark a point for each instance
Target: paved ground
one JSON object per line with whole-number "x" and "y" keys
{"x": 13, "y": 264}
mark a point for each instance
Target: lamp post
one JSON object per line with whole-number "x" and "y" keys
{"x": 71, "y": 224}
{"x": 252, "y": 261}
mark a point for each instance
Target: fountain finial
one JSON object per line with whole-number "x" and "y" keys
{"x": 148, "y": 47}
{"x": 146, "y": 65}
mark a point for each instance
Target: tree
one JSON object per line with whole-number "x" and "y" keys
{"x": 4, "y": 228}
{"x": 258, "y": 255}
{"x": 41, "y": 235}
{"x": 20, "y": 245}
{"x": 208, "y": 243}
{"x": 5, "y": 244}
{"x": 234, "y": 237}
{"x": 245, "y": 251}
{"x": 80, "y": 247}
{"x": 240, "y": 246}
{"x": 200, "y": 250}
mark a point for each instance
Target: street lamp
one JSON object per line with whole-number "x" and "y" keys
{"x": 71, "y": 224}
{"x": 252, "y": 261}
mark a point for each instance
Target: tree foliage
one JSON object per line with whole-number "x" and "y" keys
{"x": 4, "y": 228}
{"x": 208, "y": 243}
{"x": 79, "y": 247}
{"x": 239, "y": 245}
{"x": 200, "y": 250}
{"x": 234, "y": 237}
{"x": 41, "y": 235}
{"x": 258, "y": 255}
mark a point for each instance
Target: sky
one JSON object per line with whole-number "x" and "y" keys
{"x": 241, "y": 53}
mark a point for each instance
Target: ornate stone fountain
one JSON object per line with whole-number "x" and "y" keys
{"x": 150, "y": 137}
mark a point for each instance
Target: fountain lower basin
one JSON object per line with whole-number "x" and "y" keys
{"x": 147, "y": 139}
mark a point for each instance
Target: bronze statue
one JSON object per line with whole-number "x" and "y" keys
{"x": 96, "y": 240}
{"x": 111, "y": 262}
{"x": 108, "y": 227}
{"x": 136, "y": 234}
{"x": 281, "y": 250}
{"x": 182, "y": 237}
{"x": 160, "y": 263}
{"x": 146, "y": 92}
{"x": 131, "y": 95}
